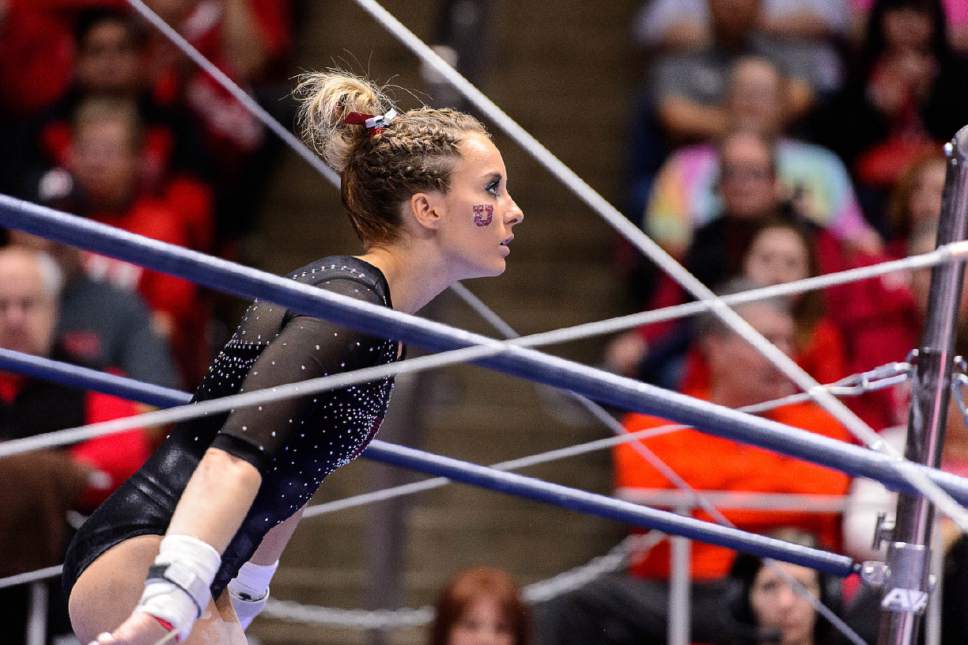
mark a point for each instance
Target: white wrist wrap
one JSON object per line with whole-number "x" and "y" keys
{"x": 177, "y": 588}
{"x": 249, "y": 590}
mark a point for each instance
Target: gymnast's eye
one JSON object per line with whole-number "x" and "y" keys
{"x": 493, "y": 186}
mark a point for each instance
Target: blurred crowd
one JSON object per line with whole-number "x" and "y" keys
{"x": 101, "y": 116}
{"x": 824, "y": 119}
{"x": 775, "y": 140}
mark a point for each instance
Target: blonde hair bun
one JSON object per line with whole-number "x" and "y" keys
{"x": 325, "y": 100}
{"x": 380, "y": 168}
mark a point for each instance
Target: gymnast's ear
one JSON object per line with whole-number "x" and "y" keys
{"x": 426, "y": 209}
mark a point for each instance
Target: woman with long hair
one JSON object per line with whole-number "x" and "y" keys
{"x": 768, "y": 601}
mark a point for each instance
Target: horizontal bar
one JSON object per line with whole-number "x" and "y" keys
{"x": 509, "y": 483}
{"x": 85, "y": 378}
{"x": 614, "y": 509}
{"x": 31, "y": 576}
{"x": 596, "y": 384}
{"x": 743, "y": 500}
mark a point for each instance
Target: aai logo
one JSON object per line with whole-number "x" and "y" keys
{"x": 906, "y": 600}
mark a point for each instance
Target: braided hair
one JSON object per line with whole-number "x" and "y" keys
{"x": 380, "y": 168}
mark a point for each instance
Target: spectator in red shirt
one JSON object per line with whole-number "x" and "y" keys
{"x": 110, "y": 61}
{"x": 902, "y": 100}
{"x": 781, "y": 251}
{"x": 35, "y": 68}
{"x": 35, "y": 57}
{"x": 245, "y": 39}
{"x": 104, "y": 164}
{"x": 751, "y": 196}
{"x": 750, "y": 193}
{"x": 881, "y": 319}
{"x": 49, "y": 483}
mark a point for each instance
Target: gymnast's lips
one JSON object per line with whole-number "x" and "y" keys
{"x": 504, "y": 246}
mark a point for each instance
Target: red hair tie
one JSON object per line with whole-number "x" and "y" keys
{"x": 373, "y": 123}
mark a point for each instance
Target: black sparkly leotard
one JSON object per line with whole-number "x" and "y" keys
{"x": 294, "y": 443}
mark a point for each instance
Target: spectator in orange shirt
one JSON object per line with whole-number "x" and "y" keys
{"x": 738, "y": 376}
{"x": 35, "y": 68}
{"x": 633, "y": 608}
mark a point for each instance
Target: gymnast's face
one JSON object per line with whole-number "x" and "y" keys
{"x": 477, "y": 214}
{"x": 482, "y": 623}
{"x": 28, "y": 311}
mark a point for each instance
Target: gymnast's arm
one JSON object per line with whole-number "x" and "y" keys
{"x": 216, "y": 499}
{"x": 208, "y": 514}
{"x": 249, "y": 589}
{"x": 224, "y": 485}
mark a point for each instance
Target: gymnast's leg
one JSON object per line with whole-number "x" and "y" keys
{"x": 109, "y": 589}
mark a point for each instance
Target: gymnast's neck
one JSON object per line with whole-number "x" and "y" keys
{"x": 415, "y": 275}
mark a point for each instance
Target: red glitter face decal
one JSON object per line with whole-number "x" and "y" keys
{"x": 483, "y": 214}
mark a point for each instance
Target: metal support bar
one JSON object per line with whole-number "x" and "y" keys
{"x": 906, "y": 593}
{"x": 36, "y": 633}
{"x": 680, "y": 588}
{"x": 932, "y": 631}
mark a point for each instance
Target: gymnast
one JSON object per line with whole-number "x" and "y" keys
{"x": 185, "y": 549}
